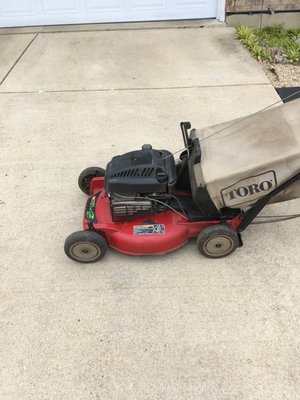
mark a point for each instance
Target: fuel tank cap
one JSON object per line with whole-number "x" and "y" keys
{"x": 146, "y": 147}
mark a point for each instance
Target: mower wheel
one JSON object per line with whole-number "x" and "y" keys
{"x": 217, "y": 241}
{"x": 85, "y": 246}
{"x": 86, "y": 176}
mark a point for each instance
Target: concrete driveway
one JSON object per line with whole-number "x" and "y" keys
{"x": 173, "y": 327}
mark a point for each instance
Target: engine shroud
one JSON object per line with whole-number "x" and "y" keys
{"x": 138, "y": 183}
{"x": 141, "y": 172}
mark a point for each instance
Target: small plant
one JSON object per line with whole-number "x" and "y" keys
{"x": 272, "y": 43}
{"x": 273, "y": 31}
{"x": 248, "y": 37}
{"x": 292, "y": 53}
{"x": 294, "y": 34}
{"x": 258, "y": 52}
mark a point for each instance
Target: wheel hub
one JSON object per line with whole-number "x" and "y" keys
{"x": 218, "y": 245}
{"x": 85, "y": 251}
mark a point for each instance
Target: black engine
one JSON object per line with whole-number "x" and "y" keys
{"x": 140, "y": 182}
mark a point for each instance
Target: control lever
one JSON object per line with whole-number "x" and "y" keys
{"x": 184, "y": 129}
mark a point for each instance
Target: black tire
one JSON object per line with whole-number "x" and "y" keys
{"x": 85, "y": 246}
{"x": 86, "y": 176}
{"x": 217, "y": 241}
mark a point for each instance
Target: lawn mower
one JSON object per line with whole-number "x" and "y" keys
{"x": 145, "y": 203}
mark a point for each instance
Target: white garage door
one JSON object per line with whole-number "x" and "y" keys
{"x": 50, "y": 12}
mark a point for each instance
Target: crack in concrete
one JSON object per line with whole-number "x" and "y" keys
{"x": 18, "y": 59}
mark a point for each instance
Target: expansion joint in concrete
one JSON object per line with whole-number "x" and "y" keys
{"x": 47, "y": 91}
{"x": 18, "y": 59}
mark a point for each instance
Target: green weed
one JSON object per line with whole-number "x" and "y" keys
{"x": 273, "y": 43}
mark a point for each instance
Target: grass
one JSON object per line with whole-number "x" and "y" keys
{"x": 272, "y": 43}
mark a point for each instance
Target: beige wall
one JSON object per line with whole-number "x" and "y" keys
{"x": 290, "y": 20}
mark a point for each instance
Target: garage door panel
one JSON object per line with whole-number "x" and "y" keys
{"x": 191, "y": 3}
{"x": 57, "y": 6}
{"x": 51, "y": 12}
{"x": 103, "y": 5}
{"x": 16, "y": 7}
{"x": 147, "y": 4}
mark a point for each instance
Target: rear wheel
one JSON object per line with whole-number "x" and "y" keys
{"x": 217, "y": 241}
{"x": 85, "y": 246}
{"x": 86, "y": 176}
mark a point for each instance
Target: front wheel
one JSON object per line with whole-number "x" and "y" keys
{"x": 85, "y": 246}
{"x": 86, "y": 176}
{"x": 217, "y": 241}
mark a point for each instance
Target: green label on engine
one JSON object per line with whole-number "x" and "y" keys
{"x": 90, "y": 211}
